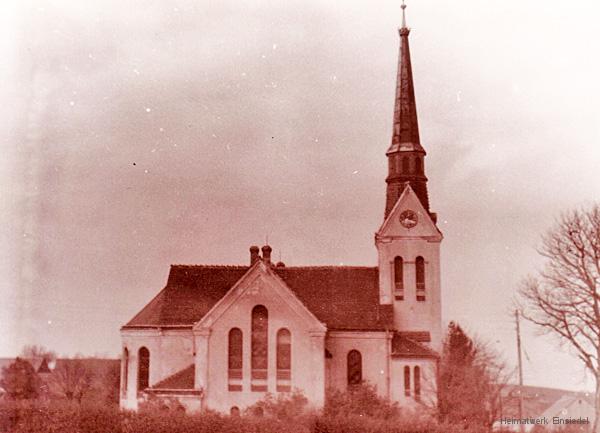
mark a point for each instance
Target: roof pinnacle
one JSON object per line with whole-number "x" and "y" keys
{"x": 403, "y": 15}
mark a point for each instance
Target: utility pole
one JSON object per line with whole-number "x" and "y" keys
{"x": 522, "y": 427}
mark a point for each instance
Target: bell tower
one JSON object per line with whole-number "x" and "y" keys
{"x": 408, "y": 242}
{"x": 406, "y": 156}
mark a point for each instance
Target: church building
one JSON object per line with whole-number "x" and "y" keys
{"x": 221, "y": 337}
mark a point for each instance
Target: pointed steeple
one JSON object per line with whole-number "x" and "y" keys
{"x": 406, "y": 126}
{"x": 405, "y": 155}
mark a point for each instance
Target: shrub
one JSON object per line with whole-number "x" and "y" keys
{"x": 154, "y": 404}
{"x": 284, "y": 406}
{"x": 20, "y": 381}
{"x": 361, "y": 400}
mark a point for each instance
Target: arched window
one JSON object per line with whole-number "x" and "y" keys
{"x": 392, "y": 161}
{"x": 284, "y": 360}
{"x": 407, "y": 381}
{"x": 260, "y": 348}
{"x": 417, "y": 379}
{"x": 234, "y": 411}
{"x": 143, "y": 369}
{"x": 420, "y": 277}
{"x": 354, "y": 367}
{"x": 235, "y": 359}
{"x": 418, "y": 165}
{"x": 399, "y": 278}
{"x": 125, "y": 372}
{"x": 405, "y": 165}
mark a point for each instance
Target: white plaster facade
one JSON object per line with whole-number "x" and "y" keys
{"x": 319, "y": 355}
{"x": 259, "y": 287}
{"x": 171, "y": 351}
{"x": 423, "y": 240}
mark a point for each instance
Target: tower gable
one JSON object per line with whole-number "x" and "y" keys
{"x": 260, "y": 281}
{"x": 408, "y": 219}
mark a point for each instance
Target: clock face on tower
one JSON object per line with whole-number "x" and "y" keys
{"x": 408, "y": 218}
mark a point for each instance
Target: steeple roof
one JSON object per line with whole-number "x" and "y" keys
{"x": 405, "y": 136}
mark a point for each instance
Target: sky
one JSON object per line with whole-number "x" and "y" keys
{"x": 139, "y": 134}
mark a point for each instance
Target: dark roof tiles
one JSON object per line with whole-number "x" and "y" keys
{"x": 342, "y": 297}
{"x": 403, "y": 347}
{"x": 183, "y": 379}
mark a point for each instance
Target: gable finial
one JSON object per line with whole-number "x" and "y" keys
{"x": 403, "y": 15}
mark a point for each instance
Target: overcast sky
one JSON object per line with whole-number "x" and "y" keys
{"x": 136, "y": 134}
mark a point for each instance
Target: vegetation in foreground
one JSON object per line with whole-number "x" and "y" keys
{"x": 69, "y": 417}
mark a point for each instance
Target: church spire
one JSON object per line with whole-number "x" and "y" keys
{"x": 405, "y": 155}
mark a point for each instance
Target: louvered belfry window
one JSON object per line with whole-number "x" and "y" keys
{"x": 399, "y": 278}
{"x": 260, "y": 348}
{"x": 405, "y": 167}
{"x": 418, "y": 166}
{"x": 235, "y": 359}
{"x": 420, "y": 277}
{"x": 354, "y": 367}
{"x": 284, "y": 360}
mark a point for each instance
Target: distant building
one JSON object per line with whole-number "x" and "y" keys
{"x": 569, "y": 409}
{"x": 556, "y": 406}
{"x": 220, "y": 337}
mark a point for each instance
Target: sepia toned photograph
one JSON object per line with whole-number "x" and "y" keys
{"x": 300, "y": 216}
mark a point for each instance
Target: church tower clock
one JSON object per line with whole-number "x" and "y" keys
{"x": 408, "y": 242}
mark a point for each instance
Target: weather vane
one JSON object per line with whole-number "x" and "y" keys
{"x": 403, "y": 15}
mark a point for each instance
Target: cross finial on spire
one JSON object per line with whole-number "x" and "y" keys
{"x": 403, "y": 15}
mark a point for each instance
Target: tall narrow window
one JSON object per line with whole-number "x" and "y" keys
{"x": 417, "y": 379}
{"x": 420, "y": 276}
{"x": 407, "y": 381}
{"x": 399, "y": 278}
{"x": 125, "y": 372}
{"x": 354, "y": 367}
{"x": 260, "y": 348}
{"x": 143, "y": 369}
{"x": 284, "y": 360}
{"x": 418, "y": 165}
{"x": 405, "y": 163}
{"x": 235, "y": 360}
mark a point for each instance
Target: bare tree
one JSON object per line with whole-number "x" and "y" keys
{"x": 564, "y": 298}
{"x": 36, "y": 354}
{"x": 72, "y": 379}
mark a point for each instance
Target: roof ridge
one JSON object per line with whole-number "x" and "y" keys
{"x": 327, "y": 267}
{"x": 178, "y": 265}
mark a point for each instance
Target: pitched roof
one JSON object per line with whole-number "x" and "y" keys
{"x": 571, "y": 405}
{"x": 190, "y": 292}
{"x": 403, "y": 347}
{"x": 43, "y": 368}
{"x": 342, "y": 297}
{"x": 183, "y": 379}
{"x": 418, "y": 336}
{"x": 536, "y": 400}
